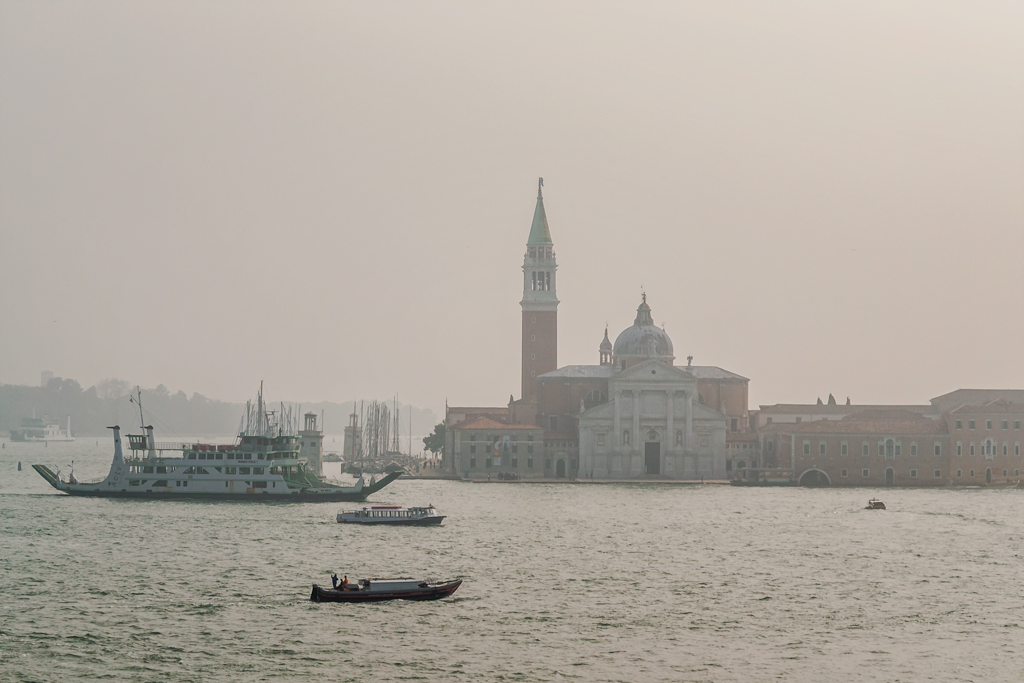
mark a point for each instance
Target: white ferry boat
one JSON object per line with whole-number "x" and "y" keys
{"x": 393, "y": 515}
{"x": 263, "y": 465}
{"x": 38, "y": 429}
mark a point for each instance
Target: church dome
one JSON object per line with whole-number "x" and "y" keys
{"x": 643, "y": 340}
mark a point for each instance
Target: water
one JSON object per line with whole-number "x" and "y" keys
{"x": 587, "y": 582}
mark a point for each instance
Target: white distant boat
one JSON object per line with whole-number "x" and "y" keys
{"x": 38, "y": 429}
{"x": 392, "y": 515}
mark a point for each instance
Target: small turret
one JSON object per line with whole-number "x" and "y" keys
{"x": 606, "y": 349}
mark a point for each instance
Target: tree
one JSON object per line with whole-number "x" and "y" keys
{"x": 112, "y": 387}
{"x": 435, "y": 442}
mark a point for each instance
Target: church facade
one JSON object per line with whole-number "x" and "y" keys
{"x": 634, "y": 415}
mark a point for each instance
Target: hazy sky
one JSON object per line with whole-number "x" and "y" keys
{"x": 334, "y": 197}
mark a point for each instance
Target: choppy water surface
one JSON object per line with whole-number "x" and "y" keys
{"x": 596, "y": 583}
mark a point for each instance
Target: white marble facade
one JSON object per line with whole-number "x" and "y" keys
{"x": 653, "y": 425}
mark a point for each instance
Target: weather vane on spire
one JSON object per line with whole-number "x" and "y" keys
{"x": 540, "y": 184}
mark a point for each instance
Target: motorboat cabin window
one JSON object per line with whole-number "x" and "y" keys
{"x": 231, "y": 456}
{"x": 220, "y": 456}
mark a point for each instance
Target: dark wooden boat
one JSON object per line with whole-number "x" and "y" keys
{"x": 875, "y": 504}
{"x": 379, "y": 590}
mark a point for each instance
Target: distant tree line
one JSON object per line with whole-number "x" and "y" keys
{"x": 174, "y": 415}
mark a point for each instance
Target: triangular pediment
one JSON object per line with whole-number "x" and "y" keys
{"x": 653, "y": 370}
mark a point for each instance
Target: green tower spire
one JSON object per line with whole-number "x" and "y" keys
{"x": 539, "y": 233}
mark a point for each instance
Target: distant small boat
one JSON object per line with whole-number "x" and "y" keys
{"x": 392, "y": 515}
{"x": 379, "y": 590}
{"x": 875, "y": 504}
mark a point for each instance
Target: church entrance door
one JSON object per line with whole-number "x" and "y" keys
{"x": 652, "y": 458}
{"x": 560, "y": 469}
{"x": 988, "y": 475}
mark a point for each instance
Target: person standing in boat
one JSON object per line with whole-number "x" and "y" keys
{"x": 334, "y": 581}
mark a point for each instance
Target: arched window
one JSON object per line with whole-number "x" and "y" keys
{"x": 625, "y": 437}
{"x": 595, "y": 398}
{"x": 890, "y": 449}
{"x": 679, "y": 437}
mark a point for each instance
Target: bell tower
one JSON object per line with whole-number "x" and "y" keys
{"x": 540, "y": 304}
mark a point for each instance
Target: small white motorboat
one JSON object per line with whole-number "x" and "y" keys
{"x": 393, "y": 515}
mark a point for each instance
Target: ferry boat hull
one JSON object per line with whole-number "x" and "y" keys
{"x": 424, "y": 591}
{"x": 338, "y": 495}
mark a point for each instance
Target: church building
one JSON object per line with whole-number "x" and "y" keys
{"x": 634, "y": 415}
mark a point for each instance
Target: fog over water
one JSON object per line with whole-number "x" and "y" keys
{"x": 335, "y": 197}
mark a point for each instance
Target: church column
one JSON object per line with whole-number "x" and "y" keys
{"x": 635, "y": 440}
{"x": 616, "y": 439}
{"x": 670, "y": 440}
{"x": 689, "y": 421}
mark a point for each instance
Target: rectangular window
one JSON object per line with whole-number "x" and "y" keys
{"x": 864, "y": 473}
{"x": 864, "y": 448}
{"x": 515, "y": 448}
{"x": 769, "y": 420}
{"x": 972, "y": 473}
{"x": 529, "y": 463}
{"x": 913, "y": 449}
{"x": 881, "y": 449}
{"x": 472, "y": 462}
{"x": 1016, "y": 449}
{"x": 257, "y": 470}
{"x": 529, "y": 448}
{"x": 972, "y": 449}
{"x": 897, "y": 449}
{"x": 1016, "y": 424}
{"x": 913, "y": 474}
{"x": 547, "y": 281}
{"x": 231, "y": 456}
{"x": 959, "y": 473}
{"x": 243, "y": 470}
{"x": 1004, "y": 473}
{"x": 821, "y": 448}
{"x": 472, "y": 448}
{"x": 1004, "y": 449}
{"x": 959, "y": 449}
{"x": 843, "y": 449}
{"x": 938, "y": 474}
{"x": 735, "y": 424}
{"x": 807, "y": 447}
{"x": 515, "y": 463}
{"x": 534, "y": 280}
{"x": 487, "y": 463}
{"x": 799, "y": 420}
{"x": 1016, "y": 473}
{"x": 959, "y": 424}
{"x": 970, "y": 424}
{"x": 988, "y": 424}
{"x": 1006, "y": 424}
{"x": 842, "y": 473}
{"x": 938, "y": 449}
{"x": 220, "y": 456}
